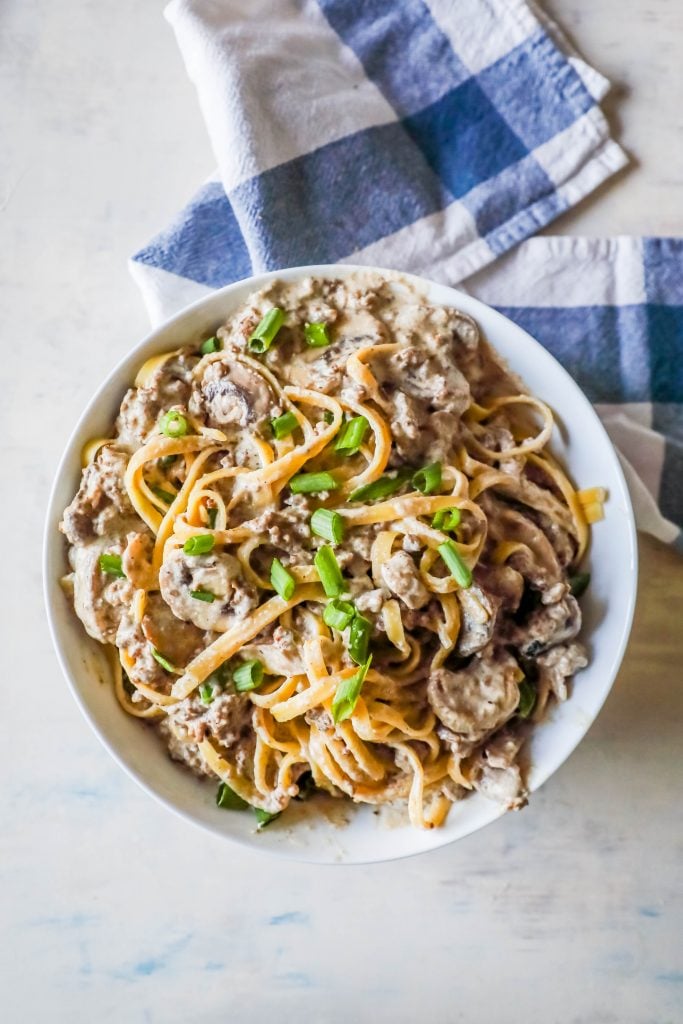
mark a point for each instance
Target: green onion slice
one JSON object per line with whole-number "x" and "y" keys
{"x": 283, "y": 425}
{"x": 203, "y": 595}
{"x": 328, "y": 416}
{"x": 210, "y": 345}
{"x": 348, "y": 692}
{"x": 173, "y": 424}
{"x": 167, "y": 496}
{"x": 164, "y": 662}
{"x": 212, "y": 513}
{"x": 460, "y": 572}
{"x": 167, "y": 460}
{"x": 316, "y": 335}
{"x": 111, "y": 564}
{"x": 446, "y": 519}
{"x": 283, "y": 582}
{"x": 351, "y": 435}
{"x": 264, "y": 818}
{"x": 359, "y": 639}
{"x": 206, "y": 693}
{"x": 338, "y": 614}
{"x": 248, "y": 676}
{"x": 312, "y": 483}
{"x": 329, "y": 572}
{"x": 328, "y": 524}
{"x": 382, "y": 488}
{"x": 199, "y": 544}
{"x": 264, "y": 335}
{"x": 428, "y": 479}
{"x": 228, "y": 798}
{"x": 527, "y": 699}
{"x": 578, "y": 584}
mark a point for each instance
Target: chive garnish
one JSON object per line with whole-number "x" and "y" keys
{"x": 283, "y": 425}
{"x": 248, "y": 676}
{"x": 460, "y": 572}
{"x": 206, "y": 693}
{"x": 578, "y": 584}
{"x": 228, "y": 798}
{"x": 316, "y": 335}
{"x": 328, "y": 524}
{"x": 212, "y": 514}
{"x": 527, "y": 699}
{"x": 312, "y": 483}
{"x": 111, "y": 564}
{"x": 359, "y": 639}
{"x": 173, "y": 424}
{"x": 264, "y": 818}
{"x": 166, "y": 496}
{"x": 203, "y": 595}
{"x": 283, "y": 582}
{"x": 329, "y": 572}
{"x": 446, "y": 519}
{"x": 210, "y": 345}
{"x": 351, "y": 435}
{"x": 264, "y": 335}
{"x": 338, "y": 614}
{"x": 199, "y": 544}
{"x": 428, "y": 479}
{"x": 348, "y": 692}
{"x": 164, "y": 662}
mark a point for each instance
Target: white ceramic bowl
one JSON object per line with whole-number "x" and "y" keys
{"x": 582, "y": 444}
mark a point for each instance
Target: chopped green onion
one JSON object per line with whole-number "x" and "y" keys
{"x": 283, "y": 425}
{"x": 329, "y": 572}
{"x": 312, "y": 483}
{"x": 359, "y": 639}
{"x": 460, "y": 572}
{"x": 351, "y": 435}
{"x": 316, "y": 335}
{"x": 328, "y": 524}
{"x": 173, "y": 424}
{"x": 167, "y": 460}
{"x": 338, "y": 614}
{"x": 207, "y": 693}
{"x": 328, "y": 416}
{"x": 283, "y": 582}
{"x": 348, "y": 692}
{"x": 248, "y": 676}
{"x": 227, "y": 798}
{"x": 578, "y": 584}
{"x": 382, "y": 488}
{"x": 199, "y": 544}
{"x": 446, "y": 519}
{"x": 164, "y": 662}
{"x": 111, "y": 564}
{"x": 168, "y": 496}
{"x": 264, "y": 818}
{"x": 210, "y": 345}
{"x": 263, "y": 336}
{"x": 203, "y": 595}
{"x": 428, "y": 479}
{"x": 527, "y": 699}
{"x": 212, "y": 513}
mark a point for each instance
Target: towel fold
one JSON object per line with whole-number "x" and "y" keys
{"x": 433, "y": 137}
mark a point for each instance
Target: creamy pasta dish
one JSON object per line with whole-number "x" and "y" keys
{"x": 329, "y": 550}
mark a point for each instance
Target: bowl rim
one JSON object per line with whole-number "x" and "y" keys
{"x": 51, "y": 538}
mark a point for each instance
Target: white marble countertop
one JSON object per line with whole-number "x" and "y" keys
{"x": 113, "y": 909}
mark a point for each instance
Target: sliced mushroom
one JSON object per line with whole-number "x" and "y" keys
{"x": 477, "y": 699}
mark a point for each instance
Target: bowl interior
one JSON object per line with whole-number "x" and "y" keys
{"x": 327, "y": 832}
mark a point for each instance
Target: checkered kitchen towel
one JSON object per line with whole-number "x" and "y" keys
{"x": 431, "y": 136}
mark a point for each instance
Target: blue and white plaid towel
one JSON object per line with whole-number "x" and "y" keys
{"x": 432, "y": 136}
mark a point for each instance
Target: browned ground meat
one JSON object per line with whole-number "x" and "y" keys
{"x": 101, "y": 501}
{"x": 402, "y": 578}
